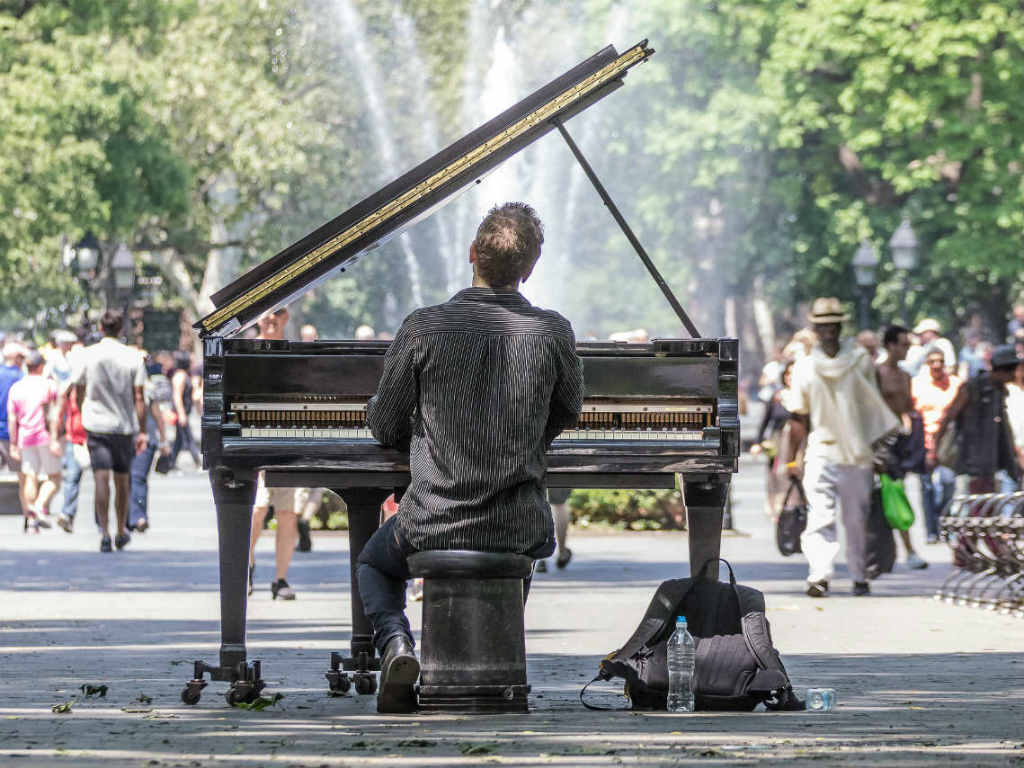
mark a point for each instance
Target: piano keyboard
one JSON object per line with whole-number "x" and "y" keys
{"x": 362, "y": 433}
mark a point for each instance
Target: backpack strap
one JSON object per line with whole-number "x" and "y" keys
{"x": 597, "y": 707}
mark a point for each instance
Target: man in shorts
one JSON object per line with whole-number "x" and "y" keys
{"x": 109, "y": 378}
{"x": 281, "y": 499}
{"x": 29, "y": 403}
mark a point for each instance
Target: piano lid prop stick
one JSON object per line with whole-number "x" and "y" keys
{"x": 624, "y": 226}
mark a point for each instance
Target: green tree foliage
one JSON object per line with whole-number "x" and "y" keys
{"x": 761, "y": 144}
{"x": 79, "y": 148}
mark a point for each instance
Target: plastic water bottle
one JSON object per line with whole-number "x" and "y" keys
{"x": 682, "y": 656}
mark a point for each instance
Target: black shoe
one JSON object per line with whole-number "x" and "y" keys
{"x": 399, "y": 670}
{"x": 252, "y": 571}
{"x": 105, "y": 545}
{"x": 305, "y": 542}
{"x": 542, "y": 566}
{"x": 563, "y": 558}
{"x": 817, "y": 588}
{"x": 281, "y": 588}
{"x": 861, "y": 588}
{"x": 121, "y": 540}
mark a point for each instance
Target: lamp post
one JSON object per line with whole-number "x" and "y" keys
{"x": 903, "y": 245}
{"x": 122, "y": 268}
{"x": 865, "y": 262}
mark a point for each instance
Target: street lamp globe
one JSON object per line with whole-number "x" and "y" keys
{"x": 904, "y": 246}
{"x": 123, "y": 267}
{"x": 865, "y": 262}
{"x": 87, "y": 255}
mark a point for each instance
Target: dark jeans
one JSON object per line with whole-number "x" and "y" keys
{"x": 142, "y": 463}
{"x": 72, "y": 477}
{"x": 382, "y": 572}
{"x": 183, "y": 439}
{"x": 936, "y": 492}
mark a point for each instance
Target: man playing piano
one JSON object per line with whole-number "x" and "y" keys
{"x": 478, "y": 387}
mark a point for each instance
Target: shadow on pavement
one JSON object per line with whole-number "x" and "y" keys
{"x": 893, "y": 709}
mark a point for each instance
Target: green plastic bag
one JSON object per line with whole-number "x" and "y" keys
{"x": 895, "y": 504}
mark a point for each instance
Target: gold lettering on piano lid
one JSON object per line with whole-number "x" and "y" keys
{"x": 633, "y": 56}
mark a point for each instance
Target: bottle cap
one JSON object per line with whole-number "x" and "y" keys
{"x": 680, "y": 621}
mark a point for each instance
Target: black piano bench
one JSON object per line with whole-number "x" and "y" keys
{"x": 473, "y": 646}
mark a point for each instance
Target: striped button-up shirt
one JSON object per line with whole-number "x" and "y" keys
{"x": 478, "y": 387}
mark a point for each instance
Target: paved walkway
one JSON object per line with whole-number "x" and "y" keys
{"x": 918, "y": 682}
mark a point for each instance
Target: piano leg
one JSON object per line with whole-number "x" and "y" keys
{"x": 706, "y": 497}
{"x": 233, "y": 496}
{"x": 363, "y": 519}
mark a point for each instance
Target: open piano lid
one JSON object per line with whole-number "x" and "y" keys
{"x": 386, "y": 212}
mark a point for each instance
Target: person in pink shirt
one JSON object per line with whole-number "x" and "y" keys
{"x": 28, "y": 405}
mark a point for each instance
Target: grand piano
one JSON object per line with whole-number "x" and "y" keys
{"x": 296, "y": 410}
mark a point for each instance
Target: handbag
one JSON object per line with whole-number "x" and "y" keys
{"x": 163, "y": 464}
{"x": 947, "y": 451}
{"x": 895, "y": 505}
{"x": 792, "y": 520}
{"x": 736, "y": 666}
{"x": 879, "y": 541}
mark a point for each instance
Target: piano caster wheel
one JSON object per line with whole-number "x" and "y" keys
{"x": 338, "y": 682}
{"x": 192, "y": 692}
{"x": 366, "y": 683}
{"x": 243, "y": 693}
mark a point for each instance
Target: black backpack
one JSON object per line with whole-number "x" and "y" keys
{"x": 737, "y": 667}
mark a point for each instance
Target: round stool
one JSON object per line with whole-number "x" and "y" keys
{"x": 473, "y": 644}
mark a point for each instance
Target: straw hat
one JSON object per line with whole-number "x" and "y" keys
{"x": 827, "y": 309}
{"x": 928, "y": 324}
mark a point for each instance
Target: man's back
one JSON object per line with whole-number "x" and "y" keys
{"x": 480, "y": 386}
{"x": 110, "y": 372}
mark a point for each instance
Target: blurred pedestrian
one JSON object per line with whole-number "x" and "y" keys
{"x": 933, "y": 391}
{"x": 929, "y": 331}
{"x": 558, "y": 500}
{"x": 158, "y": 397}
{"x": 984, "y": 442}
{"x": 909, "y": 450}
{"x": 1015, "y": 412}
{"x": 1016, "y": 324}
{"x": 771, "y": 374}
{"x": 836, "y": 404}
{"x": 182, "y": 398}
{"x": 109, "y": 377}
{"x": 30, "y": 404}
{"x": 281, "y": 500}
{"x": 307, "y": 500}
{"x": 10, "y": 372}
{"x": 58, "y": 363}
{"x": 869, "y": 341}
{"x": 770, "y": 442}
{"x": 69, "y": 432}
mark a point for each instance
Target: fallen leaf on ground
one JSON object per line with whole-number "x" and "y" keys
{"x": 259, "y": 704}
{"x": 63, "y": 708}
{"x": 476, "y": 749}
{"x": 416, "y": 743}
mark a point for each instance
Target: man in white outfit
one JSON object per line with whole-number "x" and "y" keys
{"x": 836, "y": 402}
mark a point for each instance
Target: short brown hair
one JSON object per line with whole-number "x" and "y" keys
{"x": 111, "y": 322}
{"x": 508, "y": 243}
